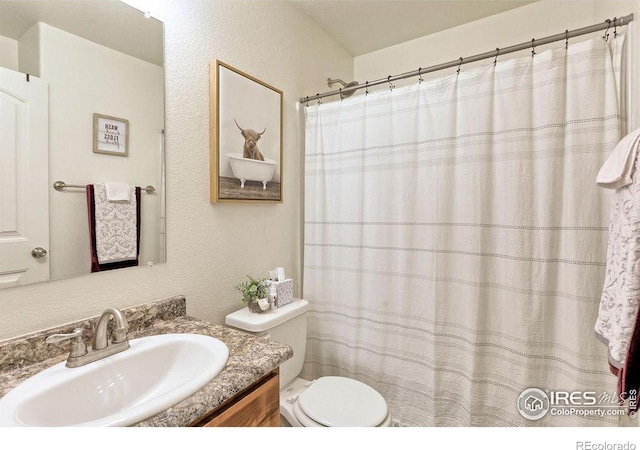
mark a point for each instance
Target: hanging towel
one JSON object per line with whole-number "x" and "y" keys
{"x": 616, "y": 322}
{"x": 114, "y": 229}
{"x": 617, "y": 170}
{"x": 118, "y": 192}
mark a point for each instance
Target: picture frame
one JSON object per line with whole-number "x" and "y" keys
{"x": 110, "y": 135}
{"x": 246, "y": 151}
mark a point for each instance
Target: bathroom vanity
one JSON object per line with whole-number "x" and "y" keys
{"x": 244, "y": 393}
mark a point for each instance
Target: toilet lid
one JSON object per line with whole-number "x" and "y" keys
{"x": 343, "y": 402}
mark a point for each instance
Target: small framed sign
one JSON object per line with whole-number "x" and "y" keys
{"x": 110, "y": 135}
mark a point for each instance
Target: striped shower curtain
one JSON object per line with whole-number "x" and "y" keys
{"x": 455, "y": 238}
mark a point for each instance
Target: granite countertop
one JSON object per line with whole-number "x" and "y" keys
{"x": 250, "y": 358}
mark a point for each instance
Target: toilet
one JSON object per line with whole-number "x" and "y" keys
{"x": 329, "y": 401}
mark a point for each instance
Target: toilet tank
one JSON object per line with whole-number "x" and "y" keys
{"x": 287, "y": 324}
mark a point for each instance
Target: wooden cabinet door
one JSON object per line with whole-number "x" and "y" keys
{"x": 258, "y": 406}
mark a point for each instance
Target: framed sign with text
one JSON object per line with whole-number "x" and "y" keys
{"x": 110, "y": 135}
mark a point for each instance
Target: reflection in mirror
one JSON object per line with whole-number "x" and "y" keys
{"x": 61, "y": 63}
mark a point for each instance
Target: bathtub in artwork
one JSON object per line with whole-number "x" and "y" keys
{"x": 245, "y": 169}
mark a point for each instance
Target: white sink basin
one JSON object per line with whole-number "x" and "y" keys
{"x": 154, "y": 374}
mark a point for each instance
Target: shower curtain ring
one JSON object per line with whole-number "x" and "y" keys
{"x": 606, "y": 32}
{"x": 420, "y": 79}
{"x": 391, "y": 86}
{"x": 366, "y": 88}
{"x": 318, "y": 99}
{"x": 460, "y": 65}
{"x": 533, "y": 47}
{"x": 495, "y": 61}
{"x": 566, "y": 39}
{"x": 615, "y": 27}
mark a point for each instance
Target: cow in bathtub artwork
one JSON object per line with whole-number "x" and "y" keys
{"x": 251, "y": 138}
{"x": 246, "y": 163}
{"x": 250, "y": 165}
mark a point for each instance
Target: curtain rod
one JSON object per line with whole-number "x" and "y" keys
{"x": 606, "y": 25}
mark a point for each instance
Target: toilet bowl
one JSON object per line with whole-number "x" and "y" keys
{"x": 329, "y": 401}
{"x": 333, "y": 402}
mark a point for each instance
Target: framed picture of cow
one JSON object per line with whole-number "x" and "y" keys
{"x": 246, "y": 137}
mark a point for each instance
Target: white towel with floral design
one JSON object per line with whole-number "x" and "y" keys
{"x": 116, "y": 227}
{"x": 619, "y": 302}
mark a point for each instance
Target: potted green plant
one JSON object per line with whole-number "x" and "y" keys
{"x": 255, "y": 293}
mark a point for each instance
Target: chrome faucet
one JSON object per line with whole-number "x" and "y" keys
{"x": 100, "y": 339}
{"x": 101, "y": 346}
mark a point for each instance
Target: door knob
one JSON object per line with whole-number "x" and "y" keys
{"x": 38, "y": 252}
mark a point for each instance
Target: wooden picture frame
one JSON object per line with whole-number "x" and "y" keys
{"x": 110, "y": 135}
{"x": 245, "y": 126}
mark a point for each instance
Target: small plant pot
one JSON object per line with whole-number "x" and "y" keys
{"x": 259, "y": 305}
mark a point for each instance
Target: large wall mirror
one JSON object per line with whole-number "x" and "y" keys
{"x": 64, "y": 65}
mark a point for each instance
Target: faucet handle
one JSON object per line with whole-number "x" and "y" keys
{"x": 57, "y": 338}
{"x": 78, "y": 347}
{"x": 120, "y": 334}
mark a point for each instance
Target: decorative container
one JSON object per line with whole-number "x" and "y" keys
{"x": 284, "y": 292}
{"x": 259, "y": 305}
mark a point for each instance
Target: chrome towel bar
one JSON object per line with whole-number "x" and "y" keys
{"x": 61, "y": 186}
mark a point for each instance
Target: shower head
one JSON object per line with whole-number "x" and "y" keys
{"x": 348, "y": 89}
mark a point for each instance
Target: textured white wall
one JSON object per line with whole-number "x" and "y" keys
{"x": 29, "y": 51}
{"x": 210, "y": 248}
{"x": 8, "y": 53}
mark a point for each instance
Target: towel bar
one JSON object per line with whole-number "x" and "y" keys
{"x": 61, "y": 186}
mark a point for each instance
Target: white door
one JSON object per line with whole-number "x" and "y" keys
{"x": 24, "y": 179}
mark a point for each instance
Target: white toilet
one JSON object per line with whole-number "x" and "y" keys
{"x": 325, "y": 402}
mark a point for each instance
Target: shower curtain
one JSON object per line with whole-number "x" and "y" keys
{"x": 455, "y": 240}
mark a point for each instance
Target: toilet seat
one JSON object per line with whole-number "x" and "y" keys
{"x": 304, "y": 420}
{"x": 340, "y": 402}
